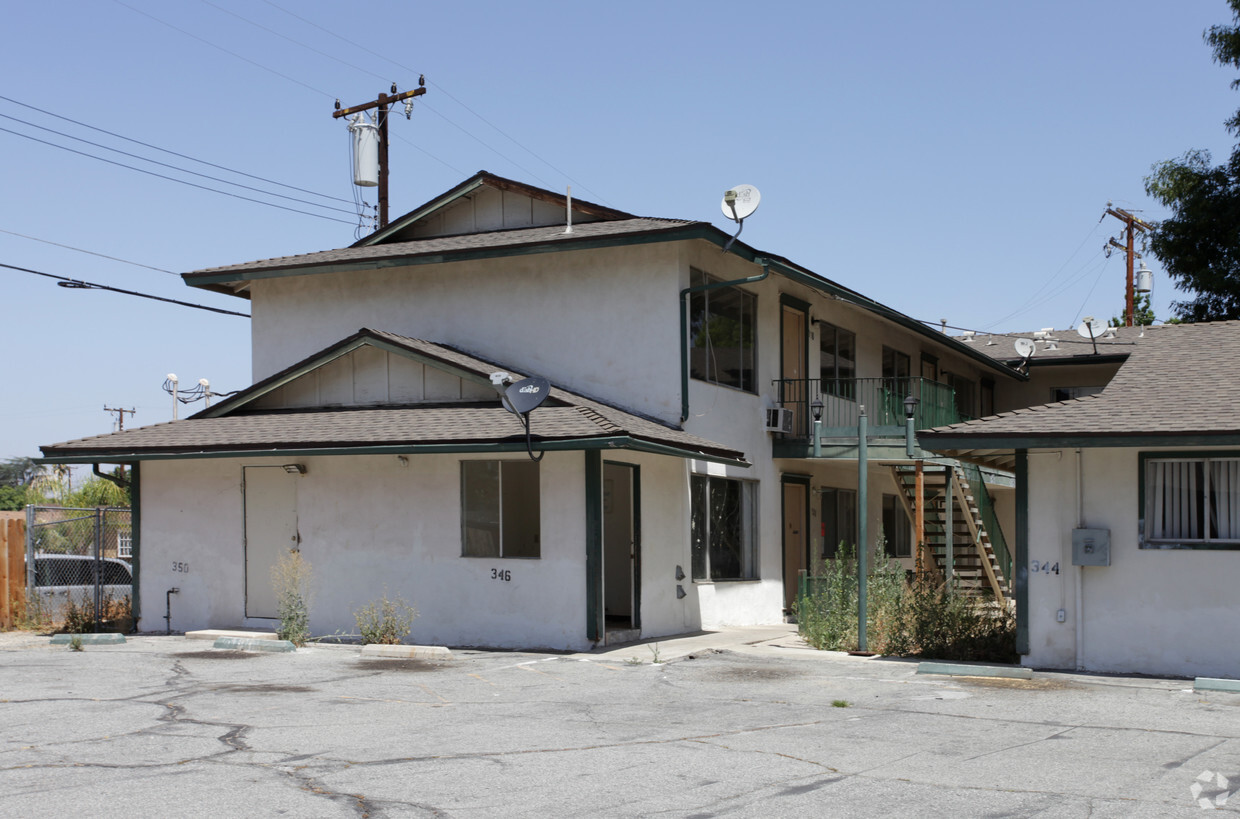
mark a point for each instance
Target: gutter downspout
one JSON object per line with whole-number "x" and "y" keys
{"x": 684, "y": 326}
{"x": 121, "y": 482}
{"x": 1080, "y": 570}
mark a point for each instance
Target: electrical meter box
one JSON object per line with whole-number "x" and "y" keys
{"x": 1091, "y": 547}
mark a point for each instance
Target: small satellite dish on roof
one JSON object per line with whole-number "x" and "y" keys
{"x": 739, "y": 203}
{"x": 526, "y": 395}
{"x": 1025, "y": 348}
{"x": 521, "y": 398}
{"x": 1091, "y": 328}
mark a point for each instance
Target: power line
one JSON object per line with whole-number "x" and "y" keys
{"x": 225, "y": 50}
{"x": 78, "y": 284}
{"x": 283, "y": 36}
{"x": 91, "y": 252}
{"x": 174, "y": 167}
{"x": 173, "y": 153}
{"x": 174, "y": 179}
{"x": 446, "y": 93}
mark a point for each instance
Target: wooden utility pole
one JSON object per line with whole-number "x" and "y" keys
{"x": 382, "y": 104}
{"x": 1130, "y": 223}
{"x": 120, "y": 416}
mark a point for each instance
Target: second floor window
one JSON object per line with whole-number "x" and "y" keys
{"x": 837, "y": 360}
{"x": 722, "y": 333}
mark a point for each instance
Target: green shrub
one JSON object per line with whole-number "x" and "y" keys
{"x": 919, "y": 618}
{"x": 291, "y": 577}
{"x": 385, "y": 621}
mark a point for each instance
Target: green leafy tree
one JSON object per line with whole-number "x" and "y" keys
{"x": 1142, "y": 312}
{"x": 12, "y": 498}
{"x": 19, "y": 471}
{"x": 1199, "y": 244}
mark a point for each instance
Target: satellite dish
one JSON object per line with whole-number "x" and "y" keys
{"x": 1025, "y": 348}
{"x": 740, "y": 202}
{"x": 1091, "y": 328}
{"x": 526, "y": 395}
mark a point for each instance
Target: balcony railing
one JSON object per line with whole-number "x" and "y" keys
{"x": 883, "y": 399}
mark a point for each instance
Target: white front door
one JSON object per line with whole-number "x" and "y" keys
{"x": 270, "y": 531}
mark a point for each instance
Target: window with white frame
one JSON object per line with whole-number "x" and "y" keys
{"x": 1191, "y": 503}
{"x": 722, "y": 334}
{"x": 500, "y": 510}
{"x": 722, "y": 526}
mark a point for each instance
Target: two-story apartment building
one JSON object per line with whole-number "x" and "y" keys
{"x": 678, "y": 484}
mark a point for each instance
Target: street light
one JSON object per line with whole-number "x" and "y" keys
{"x": 910, "y": 409}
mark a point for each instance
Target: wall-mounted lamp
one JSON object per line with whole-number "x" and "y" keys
{"x": 295, "y": 469}
{"x": 402, "y": 460}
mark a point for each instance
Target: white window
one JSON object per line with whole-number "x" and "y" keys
{"x": 722, "y": 529}
{"x": 500, "y": 514}
{"x": 124, "y": 546}
{"x": 1191, "y": 502}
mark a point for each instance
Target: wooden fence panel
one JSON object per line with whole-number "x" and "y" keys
{"x": 12, "y": 570}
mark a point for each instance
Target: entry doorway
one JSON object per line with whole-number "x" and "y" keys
{"x": 621, "y": 551}
{"x": 270, "y": 532}
{"x": 796, "y": 535}
{"x": 793, "y": 353}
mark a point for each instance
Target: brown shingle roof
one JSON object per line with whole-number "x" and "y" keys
{"x": 231, "y": 427}
{"x": 1063, "y": 345}
{"x": 441, "y": 245}
{"x": 1181, "y": 380}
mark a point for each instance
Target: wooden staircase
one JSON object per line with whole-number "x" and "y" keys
{"x": 975, "y": 567}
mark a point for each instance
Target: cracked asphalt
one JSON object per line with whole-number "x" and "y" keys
{"x": 169, "y": 727}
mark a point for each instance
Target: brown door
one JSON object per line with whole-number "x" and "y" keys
{"x": 792, "y": 368}
{"x": 796, "y": 538}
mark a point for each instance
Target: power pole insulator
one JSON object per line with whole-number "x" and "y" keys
{"x": 382, "y": 104}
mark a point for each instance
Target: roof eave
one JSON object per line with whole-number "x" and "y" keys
{"x": 291, "y": 450}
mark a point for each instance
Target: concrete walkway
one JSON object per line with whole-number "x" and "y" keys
{"x": 679, "y": 646}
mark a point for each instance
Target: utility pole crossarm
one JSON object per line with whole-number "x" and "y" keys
{"x": 381, "y": 118}
{"x": 384, "y": 99}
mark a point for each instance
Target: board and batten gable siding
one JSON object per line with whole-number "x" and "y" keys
{"x": 488, "y": 209}
{"x": 371, "y": 376}
{"x": 1152, "y": 611}
{"x": 603, "y": 322}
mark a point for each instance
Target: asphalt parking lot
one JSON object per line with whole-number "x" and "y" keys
{"x": 170, "y": 727}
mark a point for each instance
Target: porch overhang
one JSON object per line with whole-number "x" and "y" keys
{"x": 612, "y": 442}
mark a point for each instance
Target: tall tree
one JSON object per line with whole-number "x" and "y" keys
{"x": 1199, "y": 244}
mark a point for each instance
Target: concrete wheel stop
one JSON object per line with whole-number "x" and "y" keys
{"x": 107, "y": 639}
{"x": 966, "y": 670}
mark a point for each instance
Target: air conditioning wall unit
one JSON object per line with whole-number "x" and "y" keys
{"x": 778, "y": 419}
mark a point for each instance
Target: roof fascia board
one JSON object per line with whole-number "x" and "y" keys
{"x": 942, "y": 442}
{"x": 568, "y": 444}
{"x": 236, "y": 402}
{"x": 817, "y": 282}
{"x": 691, "y": 231}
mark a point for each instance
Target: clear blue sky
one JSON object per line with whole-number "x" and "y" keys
{"x": 951, "y": 159}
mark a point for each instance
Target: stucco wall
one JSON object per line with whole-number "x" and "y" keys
{"x": 1163, "y": 612}
{"x": 368, "y": 524}
{"x": 601, "y": 322}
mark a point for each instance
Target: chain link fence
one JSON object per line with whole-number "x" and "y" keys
{"x": 79, "y": 568}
